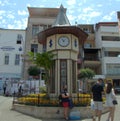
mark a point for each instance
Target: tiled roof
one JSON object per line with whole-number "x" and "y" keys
{"x": 61, "y": 18}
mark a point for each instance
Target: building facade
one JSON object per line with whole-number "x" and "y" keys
{"x": 91, "y": 57}
{"x": 99, "y": 52}
{"x": 39, "y": 19}
{"x": 11, "y": 48}
{"x": 108, "y": 39}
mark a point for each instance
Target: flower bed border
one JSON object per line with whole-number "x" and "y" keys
{"x": 52, "y": 112}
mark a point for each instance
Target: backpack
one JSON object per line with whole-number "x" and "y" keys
{"x": 60, "y": 99}
{"x": 71, "y": 104}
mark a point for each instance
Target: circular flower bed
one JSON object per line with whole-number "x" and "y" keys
{"x": 43, "y": 99}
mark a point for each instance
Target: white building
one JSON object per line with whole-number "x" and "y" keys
{"x": 11, "y": 48}
{"x": 108, "y": 39}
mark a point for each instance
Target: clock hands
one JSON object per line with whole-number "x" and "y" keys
{"x": 63, "y": 40}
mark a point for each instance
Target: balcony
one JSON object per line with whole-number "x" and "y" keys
{"x": 88, "y": 63}
{"x": 111, "y": 44}
{"x": 112, "y": 29}
{"x": 113, "y": 75}
{"x": 91, "y": 58}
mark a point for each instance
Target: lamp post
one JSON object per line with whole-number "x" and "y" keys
{"x": 40, "y": 71}
{"x": 40, "y": 80}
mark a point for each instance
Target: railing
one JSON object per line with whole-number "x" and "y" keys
{"x": 92, "y": 58}
{"x": 52, "y": 101}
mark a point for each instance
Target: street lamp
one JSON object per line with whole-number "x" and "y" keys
{"x": 40, "y": 80}
{"x": 40, "y": 70}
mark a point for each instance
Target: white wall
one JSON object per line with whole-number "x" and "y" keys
{"x": 106, "y": 31}
{"x": 107, "y": 45}
{"x": 8, "y": 39}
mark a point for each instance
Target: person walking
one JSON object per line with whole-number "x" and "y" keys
{"x": 110, "y": 96}
{"x": 4, "y": 88}
{"x": 65, "y": 102}
{"x": 20, "y": 90}
{"x": 97, "y": 90}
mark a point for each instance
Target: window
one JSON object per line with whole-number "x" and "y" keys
{"x": 63, "y": 73}
{"x": 19, "y": 39}
{"x": 35, "y": 29}
{"x": 34, "y": 48}
{"x": 74, "y": 88}
{"x": 113, "y": 69}
{"x": 52, "y": 81}
{"x": 44, "y": 26}
{"x": 44, "y": 48}
{"x": 6, "y": 59}
{"x": 17, "y": 59}
{"x": 111, "y": 53}
{"x": 86, "y": 30}
{"x": 87, "y": 45}
{"x": 38, "y": 28}
{"x": 110, "y": 38}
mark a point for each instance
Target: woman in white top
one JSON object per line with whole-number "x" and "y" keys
{"x": 110, "y": 96}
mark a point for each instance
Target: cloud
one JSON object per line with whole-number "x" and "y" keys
{"x": 88, "y": 17}
{"x": 71, "y": 18}
{"x": 28, "y": 5}
{"x": 23, "y": 12}
{"x": 18, "y": 24}
{"x": 88, "y": 13}
{"x": 70, "y": 11}
{"x": 109, "y": 16}
{"x": 99, "y": 5}
{"x": 10, "y": 16}
{"x": 10, "y": 26}
{"x": 7, "y": 14}
{"x": 3, "y": 23}
{"x": 44, "y": 6}
{"x": 94, "y": 14}
{"x": 3, "y": 3}
{"x": 88, "y": 9}
{"x": 85, "y": 11}
{"x": 84, "y": 1}
{"x": 71, "y": 2}
{"x": 2, "y": 12}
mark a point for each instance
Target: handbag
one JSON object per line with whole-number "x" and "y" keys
{"x": 92, "y": 104}
{"x": 114, "y": 98}
{"x": 115, "y": 102}
{"x": 71, "y": 104}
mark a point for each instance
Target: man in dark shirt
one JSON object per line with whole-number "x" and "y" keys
{"x": 97, "y": 90}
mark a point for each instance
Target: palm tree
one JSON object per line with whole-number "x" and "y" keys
{"x": 45, "y": 61}
{"x": 85, "y": 74}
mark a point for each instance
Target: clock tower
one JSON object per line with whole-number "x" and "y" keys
{"x": 65, "y": 42}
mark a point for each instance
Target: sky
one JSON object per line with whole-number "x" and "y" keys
{"x": 14, "y": 13}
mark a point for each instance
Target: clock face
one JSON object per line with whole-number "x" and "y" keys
{"x": 63, "y": 41}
